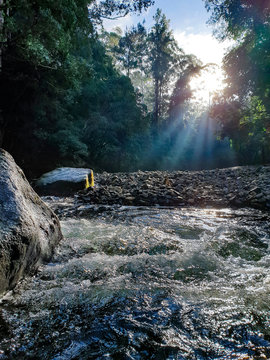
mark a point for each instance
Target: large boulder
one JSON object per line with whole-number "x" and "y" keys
{"x": 29, "y": 230}
{"x": 63, "y": 181}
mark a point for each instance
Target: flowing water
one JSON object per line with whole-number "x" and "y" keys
{"x": 147, "y": 283}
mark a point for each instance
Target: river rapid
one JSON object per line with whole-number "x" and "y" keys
{"x": 147, "y": 283}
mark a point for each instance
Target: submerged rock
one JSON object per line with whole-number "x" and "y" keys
{"x": 62, "y": 181}
{"x": 29, "y": 230}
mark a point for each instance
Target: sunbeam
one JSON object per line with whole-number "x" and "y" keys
{"x": 207, "y": 84}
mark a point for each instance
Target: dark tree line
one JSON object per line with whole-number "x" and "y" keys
{"x": 62, "y": 100}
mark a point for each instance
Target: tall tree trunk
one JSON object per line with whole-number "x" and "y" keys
{"x": 128, "y": 62}
{"x": 156, "y": 107}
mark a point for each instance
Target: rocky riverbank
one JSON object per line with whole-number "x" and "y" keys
{"x": 247, "y": 186}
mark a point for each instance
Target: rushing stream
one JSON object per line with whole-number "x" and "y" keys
{"x": 147, "y": 283}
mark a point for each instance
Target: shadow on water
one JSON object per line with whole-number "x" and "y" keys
{"x": 147, "y": 283}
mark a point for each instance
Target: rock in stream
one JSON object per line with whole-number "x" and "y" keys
{"x": 29, "y": 230}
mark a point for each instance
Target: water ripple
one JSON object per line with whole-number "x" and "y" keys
{"x": 147, "y": 283}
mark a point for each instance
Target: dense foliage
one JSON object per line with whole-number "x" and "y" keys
{"x": 62, "y": 100}
{"x": 72, "y": 95}
{"x": 244, "y": 109}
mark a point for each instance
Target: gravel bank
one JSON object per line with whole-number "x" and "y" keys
{"x": 247, "y": 186}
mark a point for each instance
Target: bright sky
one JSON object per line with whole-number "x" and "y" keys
{"x": 188, "y": 21}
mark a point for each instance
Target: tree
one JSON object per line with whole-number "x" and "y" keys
{"x": 166, "y": 60}
{"x": 111, "y": 113}
{"x": 248, "y": 81}
{"x": 182, "y": 91}
{"x": 39, "y": 71}
{"x": 48, "y": 51}
{"x": 131, "y": 49}
{"x": 131, "y": 56}
{"x": 235, "y": 18}
{"x": 153, "y": 61}
{"x": 114, "y": 9}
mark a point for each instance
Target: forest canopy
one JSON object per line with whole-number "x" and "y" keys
{"x": 73, "y": 94}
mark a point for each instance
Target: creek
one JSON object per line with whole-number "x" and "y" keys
{"x": 147, "y": 283}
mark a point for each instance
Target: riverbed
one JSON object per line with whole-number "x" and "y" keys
{"x": 134, "y": 282}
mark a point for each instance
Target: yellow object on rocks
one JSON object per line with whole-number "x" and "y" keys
{"x": 92, "y": 182}
{"x": 92, "y": 179}
{"x": 87, "y": 185}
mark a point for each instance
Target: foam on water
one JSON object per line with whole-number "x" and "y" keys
{"x": 148, "y": 283}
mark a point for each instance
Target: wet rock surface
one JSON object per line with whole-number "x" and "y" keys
{"x": 247, "y": 186}
{"x": 29, "y": 230}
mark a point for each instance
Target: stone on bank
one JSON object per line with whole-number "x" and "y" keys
{"x": 29, "y": 230}
{"x": 63, "y": 181}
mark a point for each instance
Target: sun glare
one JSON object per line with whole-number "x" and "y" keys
{"x": 207, "y": 84}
